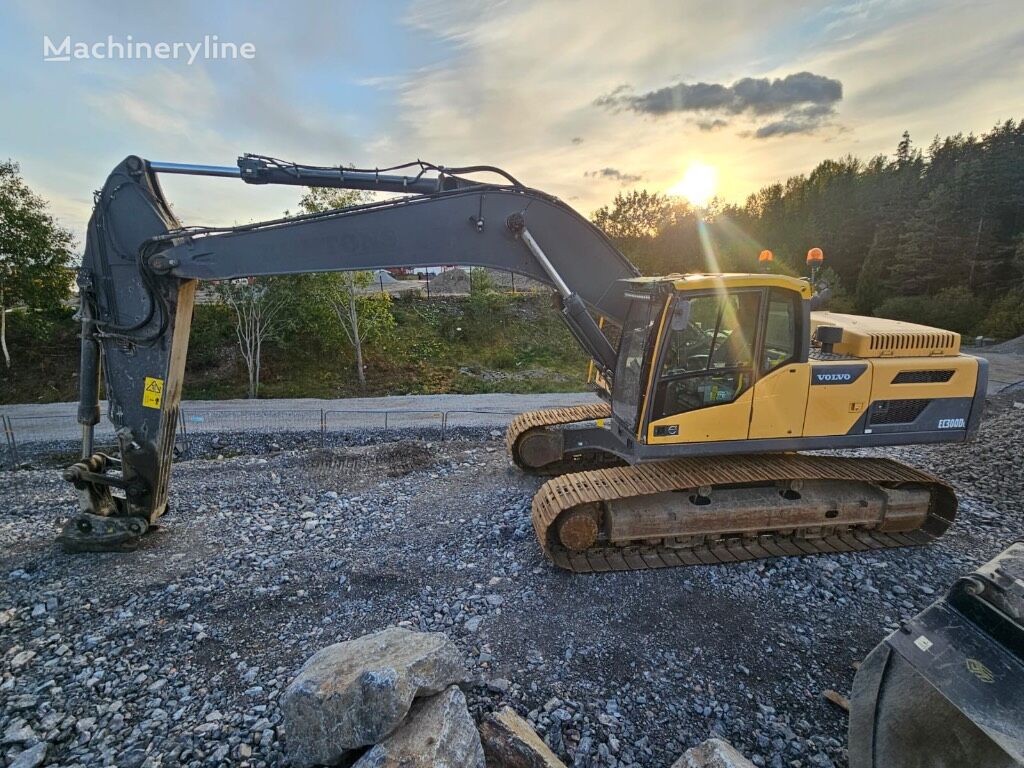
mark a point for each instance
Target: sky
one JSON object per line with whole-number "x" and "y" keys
{"x": 579, "y": 98}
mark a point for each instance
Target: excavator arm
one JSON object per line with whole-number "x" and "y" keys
{"x": 141, "y": 267}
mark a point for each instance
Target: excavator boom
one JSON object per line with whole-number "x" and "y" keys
{"x": 140, "y": 270}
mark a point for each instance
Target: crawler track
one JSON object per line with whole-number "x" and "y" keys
{"x": 572, "y": 462}
{"x": 562, "y": 495}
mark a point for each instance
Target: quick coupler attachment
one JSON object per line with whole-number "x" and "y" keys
{"x": 86, "y": 532}
{"x": 103, "y": 523}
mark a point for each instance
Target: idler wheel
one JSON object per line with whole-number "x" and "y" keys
{"x": 578, "y": 531}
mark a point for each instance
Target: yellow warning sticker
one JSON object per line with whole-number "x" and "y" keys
{"x": 153, "y": 393}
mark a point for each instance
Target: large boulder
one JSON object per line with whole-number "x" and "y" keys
{"x": 713, "y": 753}
{"x": 510, "y": 742}
{"x": 440, "y": 733}
{"x": 353, "y": 694}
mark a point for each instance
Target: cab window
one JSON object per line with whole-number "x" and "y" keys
{"x": 781, "y": 330}
{"x": 634, "y": 347}
{"x": 709, "y": 354}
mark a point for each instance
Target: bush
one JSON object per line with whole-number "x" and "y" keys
{"x": 953, "y": 309}
{"x": 844, "y": 305}
{"x": 1005, "y": 318}
{"x": 480, "y": 281}
{"x": 213, "y": 332}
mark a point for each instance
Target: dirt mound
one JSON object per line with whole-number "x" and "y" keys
{"x": 506, "y": 281}
{"x": 346, "y": 467}
{"x": 383, "y": 276}
{"x": 1012, "y": 347}
{"x": 450, "y": 281}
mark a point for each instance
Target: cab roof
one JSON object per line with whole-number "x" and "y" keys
{"x": 696, "y": 281}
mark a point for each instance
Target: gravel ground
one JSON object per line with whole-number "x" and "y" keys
{"x": 176, "y": 654}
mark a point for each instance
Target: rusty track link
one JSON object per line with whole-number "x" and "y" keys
{"x": 563, "y": 494}
{"x": 579, "y": 462}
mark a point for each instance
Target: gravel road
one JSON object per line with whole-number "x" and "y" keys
{"x": 176, "y": 654}
{"x": 51, "y": 422}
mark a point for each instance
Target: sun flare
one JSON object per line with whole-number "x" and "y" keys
{"x": 697, "y": 185}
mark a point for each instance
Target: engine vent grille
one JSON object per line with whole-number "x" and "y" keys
{"x": 922, "y": 377}
{"x": 898, "y": 342}
{"x": 897, "y": 411}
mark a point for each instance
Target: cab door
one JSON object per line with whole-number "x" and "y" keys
{"x": 780, "y": 394}
{"x": 703, "y": 386}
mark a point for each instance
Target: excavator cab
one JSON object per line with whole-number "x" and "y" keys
{"x": 739, "y": 363}
{"x": 700, "y": 352}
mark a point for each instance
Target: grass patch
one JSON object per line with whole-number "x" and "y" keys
{"x": 479, "y": 344}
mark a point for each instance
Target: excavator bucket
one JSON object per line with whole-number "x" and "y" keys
{"x": 946, "y": 690}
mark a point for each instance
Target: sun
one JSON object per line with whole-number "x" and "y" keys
{"x": 697, "y": 185}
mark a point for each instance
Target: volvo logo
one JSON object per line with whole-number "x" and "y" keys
{"x": 836, "y": 374}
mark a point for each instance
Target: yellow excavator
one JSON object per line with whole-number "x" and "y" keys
{"x": 721, "y": 379}
{"x": 712, "y": 386}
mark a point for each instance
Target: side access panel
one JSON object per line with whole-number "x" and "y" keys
{"x": 837, "y": 396}
{"x": 780, "y": 401}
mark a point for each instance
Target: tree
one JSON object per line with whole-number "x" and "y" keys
{"x": 907, "y": 225}
{"x": 257, "y": 304}
{"x": 933, "y": 249}
{"x": 633, "y": 215}
{"x": 363, "y": 313}
{"x": 633, "y": 222}
{"x": 904, "y": 150}
{"x": 35, "y": 252}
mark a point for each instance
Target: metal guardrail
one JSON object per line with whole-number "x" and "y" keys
{"x": 9, "y": 441}
{"x": 194, "y": 423}
{"x": 448, "y": 426}
{"x": 391, "y": 419}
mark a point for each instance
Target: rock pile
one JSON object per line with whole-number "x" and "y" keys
{"x": 394, "y": 691}
{"x": 391, "y": 699}
{"x": 451, "y": 281}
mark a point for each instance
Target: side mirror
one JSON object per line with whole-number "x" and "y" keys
{"x": 820, "y": 299}
{"x": 680, "y": 319}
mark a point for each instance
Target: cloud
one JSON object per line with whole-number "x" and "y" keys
{"x": 712, "y": 125}
{"x": 505, "y": 82}
{"x": 613, "y": 173}
{"x": 805, "y": 120}
{"x": 503, "y": 61}
{"x": 804, "y": 100}
{"x": 783, "y": 127}
{"x": 760, "y": 96}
